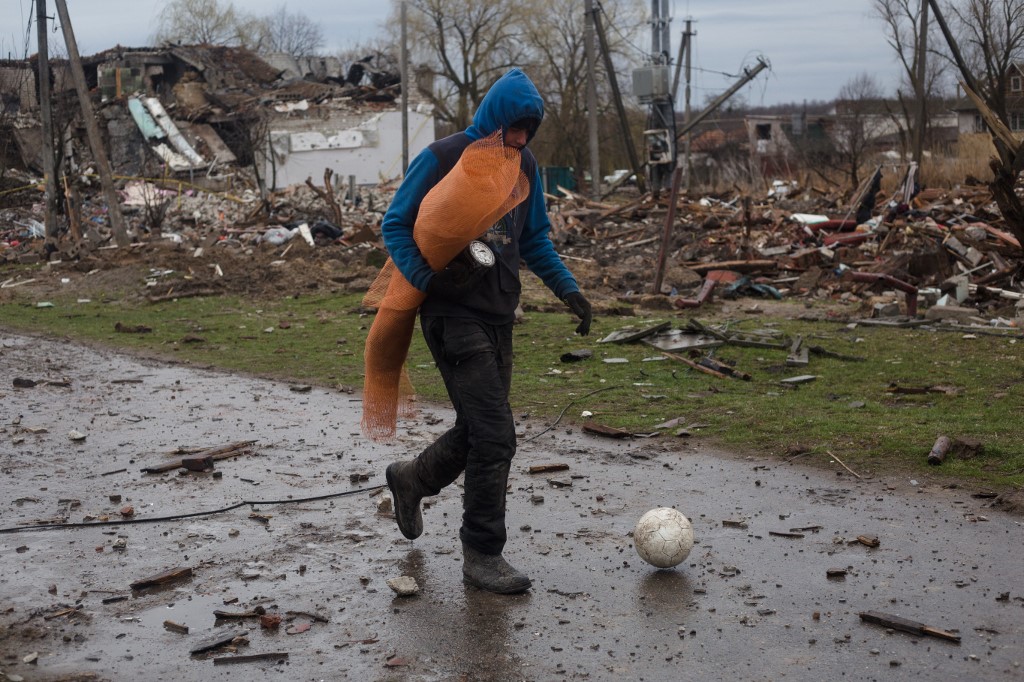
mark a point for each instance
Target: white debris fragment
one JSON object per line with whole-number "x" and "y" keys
{"x": 404, "y": 586}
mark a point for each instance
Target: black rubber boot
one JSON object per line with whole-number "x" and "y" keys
{"x": 406, "y": 492}
{"x": 491, "y": 572}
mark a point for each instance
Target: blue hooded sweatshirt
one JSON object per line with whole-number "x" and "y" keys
{"x": 520, "y": 234}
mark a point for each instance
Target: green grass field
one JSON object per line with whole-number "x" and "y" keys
{"x": 857, "y": 411}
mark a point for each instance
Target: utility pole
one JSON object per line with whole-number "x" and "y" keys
{"x": 688, "y": 36}
{"x": 748, "y": 75}
{"x": 661, "y": 120}
{"x": 592, "y": 118}
{"x": 46, "y": 113}
{"x": 405, "y": 88}
{"x": 617, "y": 97}
{"x": 922, "y": 86}
{"x": 95, "y": 141}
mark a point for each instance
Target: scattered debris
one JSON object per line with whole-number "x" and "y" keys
{"x": 173, "y": 575}
{"x": 577, "y": 355}
{"x": 175, "y": 627}
{"x": 868, "y": 540}
{"x": 547, "y": 468}
{"x": 233, "y": 450}
{"x": 602, "y": 430}
{"x": 914, "y": 628}
{"x": 219, "y": 640}
{"x": 404, "y": 586}
{"x": 939, "y": 450}
{"x": 277, "y": 656}
{"x": 840, "y": 462}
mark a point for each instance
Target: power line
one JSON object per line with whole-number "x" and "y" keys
{"x": 626, "y": 40}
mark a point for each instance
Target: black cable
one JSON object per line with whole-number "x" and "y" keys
{"x": 175, "y": 517}
{"x": 615, "y": 28}
{"x": 562, "y": 413}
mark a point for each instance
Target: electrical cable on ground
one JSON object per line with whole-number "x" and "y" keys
{"x": 175, "y": 517}
{"x": 562, "y": 413}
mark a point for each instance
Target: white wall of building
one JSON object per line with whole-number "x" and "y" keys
{"x": 371, "y": 149}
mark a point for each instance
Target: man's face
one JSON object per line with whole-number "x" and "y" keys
{"x": 516, "y": 137}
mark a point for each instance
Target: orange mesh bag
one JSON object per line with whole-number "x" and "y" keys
{"x": 484, "y": 185}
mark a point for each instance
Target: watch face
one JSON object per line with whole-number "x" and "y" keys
{"x": 481, "y": 253}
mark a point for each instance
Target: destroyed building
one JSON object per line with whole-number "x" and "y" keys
{"x": 203, "y": 112}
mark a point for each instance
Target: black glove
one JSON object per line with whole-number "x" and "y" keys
{"x": 581, "y": 307}
{"x": 455, "y": 281}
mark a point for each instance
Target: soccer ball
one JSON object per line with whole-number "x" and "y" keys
{"x": 663, "y": 537}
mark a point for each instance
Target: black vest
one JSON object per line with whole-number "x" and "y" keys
{"x": 495, "y": 299}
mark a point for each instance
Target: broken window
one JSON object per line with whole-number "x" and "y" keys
{"x": 764, "y": 131}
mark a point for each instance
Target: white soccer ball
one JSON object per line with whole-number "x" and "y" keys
{"x": 663, "y": 537}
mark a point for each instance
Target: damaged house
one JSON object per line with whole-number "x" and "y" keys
{"x": 203, "y": 112}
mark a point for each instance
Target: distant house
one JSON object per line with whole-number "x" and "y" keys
{"x": 871, "y": 125}
{"x": 969, "y": 120}
{"x": 776, "y": 140}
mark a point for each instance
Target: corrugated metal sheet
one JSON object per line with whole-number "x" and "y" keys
{"x": 149, "y": 128}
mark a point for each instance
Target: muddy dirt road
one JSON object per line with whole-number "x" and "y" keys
{"x": 315, "y": 549}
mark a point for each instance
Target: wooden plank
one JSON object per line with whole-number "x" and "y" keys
{"x": 737, "y": 265}
{"x": 786, "y": 534}
{"x": 694, "y": 365}
{"x": 913, "y": 627}
{"x": 545, "y": 468}
{"x": 222, "y": 452}
{"x": 249, "y": 658}
{"x": 163, "y": 578}
{"x": 218, "y": 641}
{"x": 602, "y": 430}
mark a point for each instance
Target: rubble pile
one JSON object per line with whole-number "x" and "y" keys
{"x": 942, "y": 256}
{"x": 206, "y": 208}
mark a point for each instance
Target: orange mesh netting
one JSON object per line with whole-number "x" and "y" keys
{"x": 484, "y": 185}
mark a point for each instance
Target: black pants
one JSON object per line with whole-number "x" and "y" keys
{"x": 475, "y": 360}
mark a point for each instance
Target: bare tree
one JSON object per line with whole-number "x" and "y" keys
{"x": 859, "y": 120}
{"x": 208, "y": 22}
{"x": 466, "y": 45}
{"x": 294, "y": 34}
{"x": 558, "y": 65}
{"x": 902, "y": 31}
{"x": 990, "y": 34}
{"x": 196, "y": 21}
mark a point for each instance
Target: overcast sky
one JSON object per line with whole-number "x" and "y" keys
{"x": 814, "y": 46}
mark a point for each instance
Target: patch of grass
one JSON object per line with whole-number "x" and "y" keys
{"x": 849, "y": 410}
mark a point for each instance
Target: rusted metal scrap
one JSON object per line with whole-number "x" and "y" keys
{"x": 909, "y": 289}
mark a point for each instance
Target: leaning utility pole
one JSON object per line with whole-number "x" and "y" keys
{"x": 687, "y": 44}
{"x": 95, "y": 141}
{"x": 46, "y": 114}
{"x": 748, "y": 75}
{"x": 592, "y": 118}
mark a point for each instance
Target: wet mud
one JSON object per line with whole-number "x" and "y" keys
{"x": 315, "y": 544}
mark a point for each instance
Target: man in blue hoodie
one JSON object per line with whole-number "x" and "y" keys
{"x": 467, "y": 322}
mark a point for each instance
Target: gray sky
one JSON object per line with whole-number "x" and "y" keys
{"x": 814, "y": 46}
